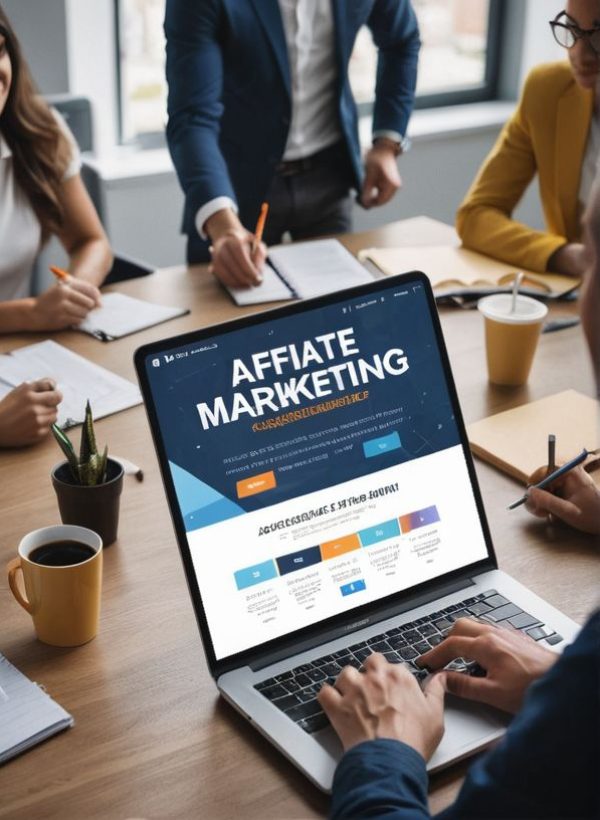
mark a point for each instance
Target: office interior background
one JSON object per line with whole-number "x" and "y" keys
{"x": 475, "y": 56}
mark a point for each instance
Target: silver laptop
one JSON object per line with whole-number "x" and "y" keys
{"x": 326, "y": 506}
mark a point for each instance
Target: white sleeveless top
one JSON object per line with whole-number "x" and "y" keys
{"x": 20, "y": 231}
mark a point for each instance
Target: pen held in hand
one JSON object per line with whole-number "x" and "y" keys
{"x": 260, "y": 226}
{"x": 61, "y": 275}
{"x": 553, "y": 476}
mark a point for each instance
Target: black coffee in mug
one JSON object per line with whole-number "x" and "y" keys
{"x": 61, "y": 553}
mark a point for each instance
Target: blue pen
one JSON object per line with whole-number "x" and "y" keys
{"x": 550, "y": 478}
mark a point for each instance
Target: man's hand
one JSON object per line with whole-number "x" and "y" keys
{"x": 512, "y": 661}
{"x": 64, "y": 305}
{"x": 382, "y": 178}
{"x": 575, "y": 499}
{"x": 385, "y": 702}
{"x": 235, "y": 260}
{"x": 27, "y": 412}
{"x": 570, "y": 260}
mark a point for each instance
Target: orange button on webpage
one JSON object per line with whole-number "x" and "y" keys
{"x": 331, "y": 549}
{"x": 256, "y": 484}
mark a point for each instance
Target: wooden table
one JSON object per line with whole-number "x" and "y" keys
{"x": 152, "y": 739}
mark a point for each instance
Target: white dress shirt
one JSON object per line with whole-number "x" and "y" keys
{"x": 20, "y": 231}
{"x": 309, "y": 37}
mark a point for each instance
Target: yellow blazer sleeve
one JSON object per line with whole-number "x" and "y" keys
{"x": 484, "y": 220}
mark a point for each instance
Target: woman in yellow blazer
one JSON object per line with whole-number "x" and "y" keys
{"x": 548, "y": 134}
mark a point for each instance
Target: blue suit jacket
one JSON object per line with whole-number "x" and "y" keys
{"x": 229, "y": 91}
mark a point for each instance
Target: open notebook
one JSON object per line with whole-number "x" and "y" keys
{"x": 301, "y": 270}
{"x": 457, "y": 271}
{"x": 77, "y": 379}
{"x": 27, "y": 714}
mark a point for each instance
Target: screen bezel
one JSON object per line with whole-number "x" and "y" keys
{"x": 368, "y": 610}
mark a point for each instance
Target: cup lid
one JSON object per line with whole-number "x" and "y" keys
{"x": 498, "y": 307}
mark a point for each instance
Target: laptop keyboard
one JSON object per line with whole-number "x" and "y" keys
{"x": 295, "y": 691}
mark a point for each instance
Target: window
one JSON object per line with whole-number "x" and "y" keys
{"x": 141, "y": 68}
{"x": 458, "y": 62}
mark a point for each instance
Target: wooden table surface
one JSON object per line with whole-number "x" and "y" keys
{"x": 152, "y": 738}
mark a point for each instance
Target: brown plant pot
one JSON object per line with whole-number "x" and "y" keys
{"x": 96, "y": 508}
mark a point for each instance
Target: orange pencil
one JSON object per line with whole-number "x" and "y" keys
{"x": 60, "y": 274}
{"x": 260, "y": 226}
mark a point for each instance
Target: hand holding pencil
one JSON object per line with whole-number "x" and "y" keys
{"x": 65, "y": 304}
{"x": 237, "y": 255}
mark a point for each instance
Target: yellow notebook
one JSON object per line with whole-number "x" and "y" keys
{"x": 456, "y": 270}
{"x": 516, "y": 441}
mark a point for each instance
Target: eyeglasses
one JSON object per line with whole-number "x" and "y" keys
{"x": 566, "y": 32}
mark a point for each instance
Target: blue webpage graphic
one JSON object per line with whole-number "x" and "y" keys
{"x": 265, "y": 414}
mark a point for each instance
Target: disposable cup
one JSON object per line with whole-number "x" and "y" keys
{"x": 511, "y": 337}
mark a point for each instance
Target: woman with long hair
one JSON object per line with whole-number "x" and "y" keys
{"x": 41, "y": 194}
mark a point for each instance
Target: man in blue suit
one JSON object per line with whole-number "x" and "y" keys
{"x": 260, "y": 108}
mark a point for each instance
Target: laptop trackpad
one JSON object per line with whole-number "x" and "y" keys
{"x": 469, "y": 727}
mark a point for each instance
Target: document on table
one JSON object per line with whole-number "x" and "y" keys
{"x": 27, "y": 714}
{"x": 121, "y": 315}
{"x": 302, "y": 270}
{"x": 77, "y": 379}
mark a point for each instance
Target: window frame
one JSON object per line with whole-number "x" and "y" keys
{"x": 486, "y": 91}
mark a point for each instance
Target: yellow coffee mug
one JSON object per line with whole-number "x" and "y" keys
{"x": 62, "y": 573}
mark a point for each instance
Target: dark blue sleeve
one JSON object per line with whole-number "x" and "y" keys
{"x": 380, "y": 778}
{"x": 546, "y": 766}
{"x": 195, "y": 79}
{"x": 393, "y": 24}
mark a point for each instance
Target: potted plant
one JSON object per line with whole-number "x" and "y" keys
{"x": 88, "y": 486}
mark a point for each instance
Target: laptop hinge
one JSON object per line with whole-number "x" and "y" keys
{"x": 281, "y": 653}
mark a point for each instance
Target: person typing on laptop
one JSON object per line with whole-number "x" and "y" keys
{"x": 546, "y": 764}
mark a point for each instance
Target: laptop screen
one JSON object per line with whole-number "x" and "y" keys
{"x": 314, "y": 460}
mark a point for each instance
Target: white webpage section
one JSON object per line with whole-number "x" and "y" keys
{"x": 388, "y": 531}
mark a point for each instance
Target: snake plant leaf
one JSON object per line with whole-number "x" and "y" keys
{"x": 88, "y": 438}
{"x": 103, "y": 462}
{"x": 90, "y": 471}
{"x": 65, "y": 444}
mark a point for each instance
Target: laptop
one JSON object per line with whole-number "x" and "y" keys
{"x": 326, "y": 506}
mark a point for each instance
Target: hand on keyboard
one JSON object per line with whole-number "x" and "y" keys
{"x": 385, "y": 701}
{"x": 511, "y": 660}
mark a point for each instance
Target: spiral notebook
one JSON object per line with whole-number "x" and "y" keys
{"x": 27, "y": 714}
{"x": 302, "y": 270}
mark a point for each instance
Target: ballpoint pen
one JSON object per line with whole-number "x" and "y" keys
{"x": 554, "y": 475}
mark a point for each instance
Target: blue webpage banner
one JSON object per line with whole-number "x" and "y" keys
{"x": 267, "y": 413}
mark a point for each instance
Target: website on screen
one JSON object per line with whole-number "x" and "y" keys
{"x": 317, "y": 464}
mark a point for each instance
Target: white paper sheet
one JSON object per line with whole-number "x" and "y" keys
{"x": 77, "y": 379}
{"x": 121, "y": 315}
